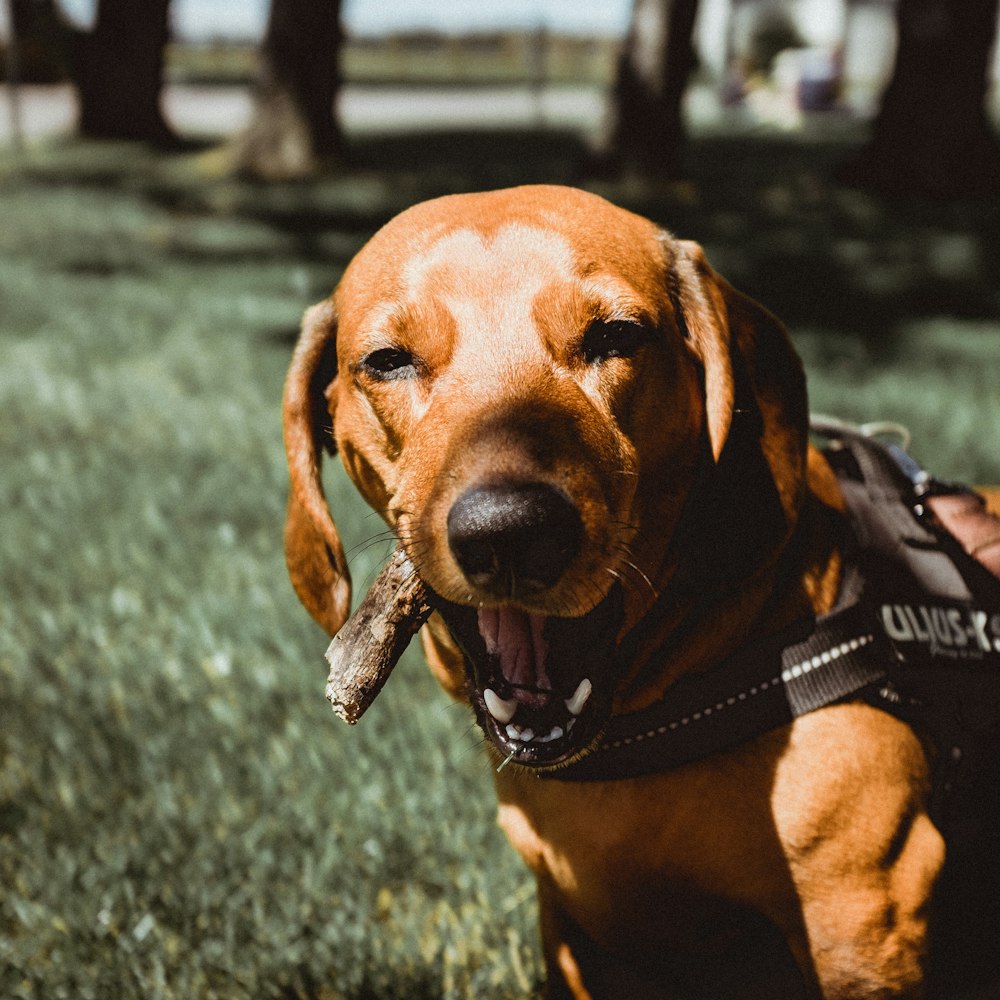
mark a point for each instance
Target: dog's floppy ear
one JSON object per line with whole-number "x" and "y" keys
{"x": 755, "y": 391}
{"x": 313, "y": 550}
{"x": 701, "y": 311}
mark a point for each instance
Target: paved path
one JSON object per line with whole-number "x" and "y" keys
{"x": 194, "y": 110}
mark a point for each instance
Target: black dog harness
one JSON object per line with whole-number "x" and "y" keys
{"x": 915, "y": 632}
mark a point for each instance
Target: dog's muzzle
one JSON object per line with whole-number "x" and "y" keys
{"x": 539, "y": 683}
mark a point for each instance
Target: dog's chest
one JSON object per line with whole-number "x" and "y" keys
{"x": 655, "y": 857}
{"x": 636, "y": 897}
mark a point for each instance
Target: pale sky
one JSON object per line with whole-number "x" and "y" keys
{"x": 245, "y": 18}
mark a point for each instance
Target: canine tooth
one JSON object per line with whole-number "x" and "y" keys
{"x": 527, "y": 735}
{"x": 502, "y": 711}
{"x": 575, "y": 704}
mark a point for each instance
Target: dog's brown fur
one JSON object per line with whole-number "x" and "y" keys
{"x": 801, "y": 863}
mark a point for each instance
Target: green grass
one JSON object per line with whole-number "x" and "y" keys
{"x": 180, "y": 813}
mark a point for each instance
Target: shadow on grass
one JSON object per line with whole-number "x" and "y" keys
{"x": 826, "y": 257}
{"x": 768, "y": 210}
{"x": 774, "y": 221}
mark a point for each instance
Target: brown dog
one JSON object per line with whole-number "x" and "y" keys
{"x": 530, "y": 386}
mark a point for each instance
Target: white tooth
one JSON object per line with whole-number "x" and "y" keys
{"x": 502, "y": 711}
{"x": 527, "y": 735}
{"x": 514, "y": 732}
{"x": 555, "y": 734}
{"x": 575, "y": 704}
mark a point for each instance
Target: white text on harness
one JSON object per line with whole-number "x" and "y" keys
{"x": 955, "y": 632}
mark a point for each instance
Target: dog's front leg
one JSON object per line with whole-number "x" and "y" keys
{"x": 756, "y": 965}
{"x": 577, "y": 968}
{"x": 849, "y": 805}
{"x": 563, "y": 943}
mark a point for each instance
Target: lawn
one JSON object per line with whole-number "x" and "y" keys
{"x": 180, "y": 813}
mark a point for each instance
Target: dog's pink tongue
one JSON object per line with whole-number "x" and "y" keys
{"x": 515, "y": 638}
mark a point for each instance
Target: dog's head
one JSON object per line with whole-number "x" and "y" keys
{"x": 547, "y": 398}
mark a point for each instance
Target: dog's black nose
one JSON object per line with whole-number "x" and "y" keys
{"x": 514, "y": 538}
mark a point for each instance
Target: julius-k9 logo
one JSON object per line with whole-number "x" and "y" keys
{"x": 959, "y": 633}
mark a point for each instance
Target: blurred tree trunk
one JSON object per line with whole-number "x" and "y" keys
{"x": 118, "y": 71}
{"x": 293, "y": 130}
{"x": 644, "y": 131}
{"x": 42, "y": 39}
{"x": 932, "y": 135}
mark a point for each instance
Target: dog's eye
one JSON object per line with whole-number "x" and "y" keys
{"x": 389, "y": 363}
{"x": 618, "y": 338}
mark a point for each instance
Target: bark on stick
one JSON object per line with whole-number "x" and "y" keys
{"x": 370, "y": 643}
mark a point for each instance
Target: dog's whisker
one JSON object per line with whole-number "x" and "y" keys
{"x": 367, "y": 545}
{"x": 629, "y": 564}
{"x": 627, "y": 525}
{"x": 620, "y": 579}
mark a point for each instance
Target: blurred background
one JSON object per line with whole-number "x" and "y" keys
{"x": 180, "y": 814}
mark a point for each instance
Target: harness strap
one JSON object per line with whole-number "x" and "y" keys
{"x": 813, "y": 663}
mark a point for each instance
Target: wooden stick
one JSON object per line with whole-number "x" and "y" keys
{"x": 370, "y": 643}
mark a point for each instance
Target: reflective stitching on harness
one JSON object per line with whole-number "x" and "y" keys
{"x": 791, "y": 673}
{"x": 694, "y": 717}
{"x": 821, "y": 659}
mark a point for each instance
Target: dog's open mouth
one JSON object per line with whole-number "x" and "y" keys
{"x": 541, "y": 686}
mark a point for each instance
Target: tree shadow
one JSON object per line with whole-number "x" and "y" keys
{"x": 770, "y": 212}
{"x": 767, "y": 207}
{"x": 459, "y": 159}
{"x": 825, "y": 257}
